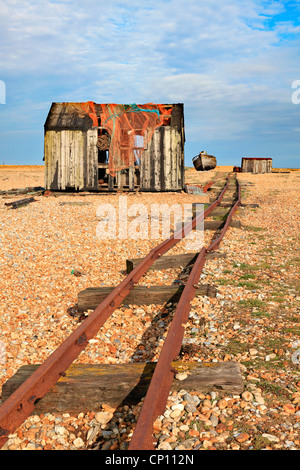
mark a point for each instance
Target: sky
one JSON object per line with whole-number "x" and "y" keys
{"x": 234, "y": 64}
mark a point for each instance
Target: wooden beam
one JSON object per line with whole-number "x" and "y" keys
{"x": 226, "y": 200}
{"x": 250, "y": 205}
{"x": 91, "y": 297}
{"x": 20, "y": 202}
{"x": 217, "y": 224}
{"x": 85, "y": 387}
{"x": 173, "y": 261}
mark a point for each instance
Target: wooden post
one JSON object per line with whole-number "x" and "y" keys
{"x": 131, "y": 178}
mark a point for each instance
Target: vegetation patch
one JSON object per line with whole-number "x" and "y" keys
{"x": 253, "y": 228}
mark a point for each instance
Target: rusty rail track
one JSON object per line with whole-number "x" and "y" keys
{"x": 16, "y": 409}
{"x": 159, "y": 388}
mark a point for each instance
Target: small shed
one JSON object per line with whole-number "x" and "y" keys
{"x": 256, "y": 165}
{"x": 96, "y": 147}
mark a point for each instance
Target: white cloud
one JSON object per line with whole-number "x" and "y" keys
{"x": 220, "y": 57}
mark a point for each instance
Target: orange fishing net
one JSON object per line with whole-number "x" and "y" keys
{"x": 89, "y": 108}
{"x": 130, "y": 128}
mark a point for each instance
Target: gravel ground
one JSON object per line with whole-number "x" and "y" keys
{"x": 254, "y": 320}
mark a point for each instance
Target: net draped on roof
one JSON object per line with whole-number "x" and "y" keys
{"x": 130, "y": 128}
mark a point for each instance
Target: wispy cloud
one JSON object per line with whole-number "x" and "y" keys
{"x": 231, "y": 62}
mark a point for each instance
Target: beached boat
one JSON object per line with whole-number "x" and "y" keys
{"x": 204, "y": 162}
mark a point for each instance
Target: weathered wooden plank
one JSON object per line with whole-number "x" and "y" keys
{"x": 85, "y": 387}
{"x": 146, "y": 163}
{"x": 92, "y": 159}
{"x": 70, "y": 157}
{"x": 156, "y": 157}
{"x": 167, "y": 156}
{"x": 49, "y": 162}
{"x": 82, "y": 161}
{"x": 131, "y": 177}
{"x": 64, "y": 163}
{"x": 64, "y": 157}
{"x": 55, "y": 180}
{"x": 172, "y": 261}
{"x": 90, "y": 298}
{"x": 217, "y": 224}
{"x": 226, "y": 202}
{"x": 20, "y": 202}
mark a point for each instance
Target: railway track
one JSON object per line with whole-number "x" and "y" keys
{"x": 17, "y": 408}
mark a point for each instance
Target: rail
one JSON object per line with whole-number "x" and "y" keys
{"x": 16, "y": 409}
{"x": 159, "y": 388}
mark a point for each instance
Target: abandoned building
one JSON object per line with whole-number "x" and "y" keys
{"x": 256, "y": 165}
{"x": 97, "y": 147}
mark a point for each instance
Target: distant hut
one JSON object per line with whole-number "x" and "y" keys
{"x": 256, "y": 165}
{"x": 94, "y": 147}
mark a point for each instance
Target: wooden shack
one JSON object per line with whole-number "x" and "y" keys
{"x": 256, "y": 165}
{"x": 77, "y": 152}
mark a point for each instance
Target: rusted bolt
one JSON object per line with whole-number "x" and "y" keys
{"x": 3, "y": 432}
{"x": 82, "y": 339}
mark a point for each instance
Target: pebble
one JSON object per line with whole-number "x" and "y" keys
{"x": 175, "y": 413}
{"x": 181, "y": 376}
{"x": 247, "y": 396}
{"x": 164, "y": 446}
{"x": 214, "y": 420}
{"x": 242, "y": 437}
{"x": 270, "y": 437}
{"x": 296, "y": 357}
{"x": 178, "y": 406}
{"x": 103, "y": 417}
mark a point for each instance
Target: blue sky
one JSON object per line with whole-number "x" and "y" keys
{"x": 232, "y": 64}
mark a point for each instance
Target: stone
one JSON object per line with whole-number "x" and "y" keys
{"x": 214, "y": 420}
{"x": 252, "y": 352}
{"x": 190, "y": 408}
{"x": 78, "y": 442}
{"x": 192, "y": 400}
{"x": 61, "y": 430}
{"x": 178, "y": 406}
{"x": 207, "y": 444}
{"x": 222, "y": 404}
{"x": 184, "y": 428}
{"x": 247, "y": 396}
{"x": 242, "y": 437}
{"x": 103, "y": 417}
{"x": 175, "y": 413}
{"x": 181, "y": 376}
{"x": 259, "y": 399}
{"x": 164, "y": 446}
{"x": 270, "y": 437}
{"x": 288, "y": 408}
{"x": 296, "y": 357}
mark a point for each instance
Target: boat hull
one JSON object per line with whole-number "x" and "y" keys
{"x": 204, "y": 162}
